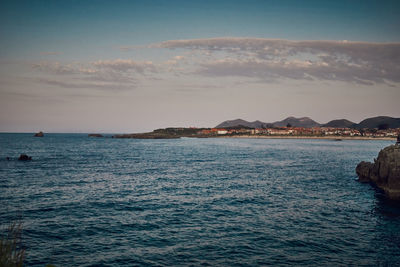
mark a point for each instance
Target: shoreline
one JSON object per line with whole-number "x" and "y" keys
{"x": 311, "y": 137}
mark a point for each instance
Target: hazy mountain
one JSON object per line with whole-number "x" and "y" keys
{"x": 238, "y": 122}
{"x": 297, "y": 122}
{"x": 380, "y": 122}
{"x": 343, "y": 123}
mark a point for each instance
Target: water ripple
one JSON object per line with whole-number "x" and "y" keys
{"x": 196, "y": 202}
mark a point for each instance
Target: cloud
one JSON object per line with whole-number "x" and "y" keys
{"x": 88, "y": 70}
{"x": 360, "y": 62}
{"x": 117, "y": 65}
{"x": 294, "y": 69}
{"x": 101, "y": 74}
{"x": 261, "y": 60}
{"x": 126, "y": 65}
{"x": 55, "y": 68}
{"x": 174, "y": 61}
{"x": 84, "y": 85}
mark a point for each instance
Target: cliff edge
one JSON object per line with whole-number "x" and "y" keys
{"x": 384, "y": 172}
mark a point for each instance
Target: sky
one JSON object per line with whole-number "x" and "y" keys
{"x": 135, "y": 66}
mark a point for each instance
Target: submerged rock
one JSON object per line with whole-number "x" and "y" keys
{"x": 384, "y": 172}
{"x": 24, "y": 157}
{"x": 39, "y": 134}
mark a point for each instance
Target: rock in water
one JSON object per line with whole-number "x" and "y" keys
{"x": 39, "y": 134}
{"x": 24, "y": 157}
{"x": 384, "y": 172}
{"x": 95, "y": 135}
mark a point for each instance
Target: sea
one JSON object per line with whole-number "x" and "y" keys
{"x": 195, "y": 202}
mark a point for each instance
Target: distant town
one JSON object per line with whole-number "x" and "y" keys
{"x": 302, "y": 131}
{"x": 381, "y": 127}
{"x": 287, "y": 131}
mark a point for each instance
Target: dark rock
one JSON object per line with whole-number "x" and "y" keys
{"x": 39, "y": 134}
{"x": 384, "y": 172}
{"x": 363, "y": 171}
{"x": 24, "y": 157}
{"x": 95, "y": 135}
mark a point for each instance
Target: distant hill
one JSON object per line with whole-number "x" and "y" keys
{"x": 297, "y": 122}
{"x": 380, "y": 122}
{"x": 343, "y": 123}
{"x": 240, "y": 122}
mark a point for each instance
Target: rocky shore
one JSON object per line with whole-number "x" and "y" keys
{"x": 384, "y": 173}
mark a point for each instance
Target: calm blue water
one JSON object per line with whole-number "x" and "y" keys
{"x": 210, "y": 202}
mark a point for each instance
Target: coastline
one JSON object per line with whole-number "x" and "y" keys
{"x": 310, "y": 137}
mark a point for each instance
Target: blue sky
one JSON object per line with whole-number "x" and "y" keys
{"x": 69, "y": 53}
{"x": 79, "y": 27}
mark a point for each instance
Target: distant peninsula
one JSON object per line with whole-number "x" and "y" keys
{"x": 381, "y": 127}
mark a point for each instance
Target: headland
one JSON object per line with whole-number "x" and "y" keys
{"x": 337, "y": 134}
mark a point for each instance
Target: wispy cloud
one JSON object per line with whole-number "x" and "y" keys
{"x": 360, "y": 62}
{"x": 117, "y": 65}
{"x": 84, "y": 85}
{"x": 55, "y": 68}
{"x": 101, "y": 74}
{"x": 126, "y": 65}
{"x": 174, "y": 61}
{"x": 260, "y": 60}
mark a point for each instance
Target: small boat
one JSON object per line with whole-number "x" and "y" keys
{"x": 338, "y": 139}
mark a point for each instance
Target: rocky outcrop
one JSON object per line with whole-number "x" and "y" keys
{"x": 95, "y": 135}
{"x": 39, "y": 134}
{"x": 24, "y": 157}
{"x": 363, "y": 171}
{"x": 384, "y": 172}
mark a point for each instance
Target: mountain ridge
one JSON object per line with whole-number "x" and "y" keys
{"x": 340, "y": 123}
{"x": 380, "y": 122}
{"x": 297, "y": 122}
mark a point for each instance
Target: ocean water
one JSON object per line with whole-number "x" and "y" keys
{"x": 190, "y": 202}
